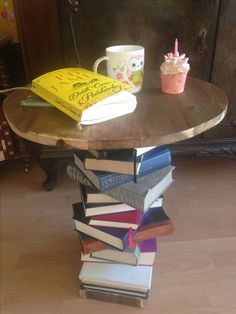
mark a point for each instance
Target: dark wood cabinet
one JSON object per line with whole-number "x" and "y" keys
{"x": 153, "y": 24}
{"x": 206, "y": 30}
{"x": 224, "y": 67}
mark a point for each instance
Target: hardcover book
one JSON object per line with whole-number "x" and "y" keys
{"x": 143, "y": 253}
{"x": 106, "y": 208}
{"x": 148, "y": 250}
{"x": 110, "y": 205}
{"x": 112, "y": 297}
{"x": 155, "y": 223}
{"x": 142, "y": 195}
{"x": 105, "y": 181}
{"x": 89, "y": 244}
{"x": 92, "y": 196}
{"x": 130, "y": 219}
{"x": 129, "y": 256}
{"x": 102, "y": 181}
{"x": 117, "y": 276}
{"x": 85, "y": 96}
{"x": 127, "y": 162}
{"x": 136, "y": 151}
{"x": 117, "y": 237}
{"x": 116, "y": 290}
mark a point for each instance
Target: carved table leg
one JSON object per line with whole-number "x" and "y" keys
{"x": 47, "y": 164}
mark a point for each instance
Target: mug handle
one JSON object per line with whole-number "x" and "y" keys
{"x": 97, "y": 62}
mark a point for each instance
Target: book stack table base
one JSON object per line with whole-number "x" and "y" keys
{"x": 159, "y": 119}
{"x": 118, "y": 243}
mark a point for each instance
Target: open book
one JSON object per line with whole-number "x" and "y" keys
{"x": 85, "y": 96}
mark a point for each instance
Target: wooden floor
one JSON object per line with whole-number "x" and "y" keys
{"x": 195, "y": 270}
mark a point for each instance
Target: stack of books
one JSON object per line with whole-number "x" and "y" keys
{"x": 118, "y": 219}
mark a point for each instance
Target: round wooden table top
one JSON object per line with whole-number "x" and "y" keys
{"x": 158, "y": 119}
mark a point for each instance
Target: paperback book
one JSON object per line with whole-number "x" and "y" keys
{"x": 83, "y": 95}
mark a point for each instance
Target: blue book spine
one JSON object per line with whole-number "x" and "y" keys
{"x": 157, "y": 159}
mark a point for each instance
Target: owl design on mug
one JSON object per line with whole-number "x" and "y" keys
{"x": 135, "y": 70}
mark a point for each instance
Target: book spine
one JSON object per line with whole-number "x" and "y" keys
{"x": 127, "y": 197}
{"x": 91, "y": 245}
{"x": 161, "y": 228}
{"x": 112, "y": 298}
{"x": 155, "y": 163}
{"x": 75, "y": 174}
{"x": 112, "y": 180}
{"x": 58, "y": 102}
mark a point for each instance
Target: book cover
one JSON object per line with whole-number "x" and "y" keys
{"x": 130, "y": 219}
{"x": 141, "y": 195}
{"x": 101, "y": 181}
{"x": 155, "y": 223}
{"x": 112, "y": 297}
{"x": 84, "y": 95}
{"x": 117, "y": 276}
{"x": 127, "y": 162}
{"x": 117, "y": 237}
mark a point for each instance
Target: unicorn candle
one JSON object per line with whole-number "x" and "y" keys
{"x": 174, "y": 71}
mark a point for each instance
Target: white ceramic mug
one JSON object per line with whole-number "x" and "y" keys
{"x": 125, "y": 63}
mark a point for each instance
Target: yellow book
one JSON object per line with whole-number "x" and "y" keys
{"x": 84, "y": 95}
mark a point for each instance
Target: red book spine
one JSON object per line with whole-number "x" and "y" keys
{"x": 126, "y": 217}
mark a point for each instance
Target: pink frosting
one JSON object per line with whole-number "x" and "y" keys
{"x": 175, "y": 64}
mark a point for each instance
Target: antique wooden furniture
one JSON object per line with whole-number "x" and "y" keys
{"x": 158, "y": 119}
